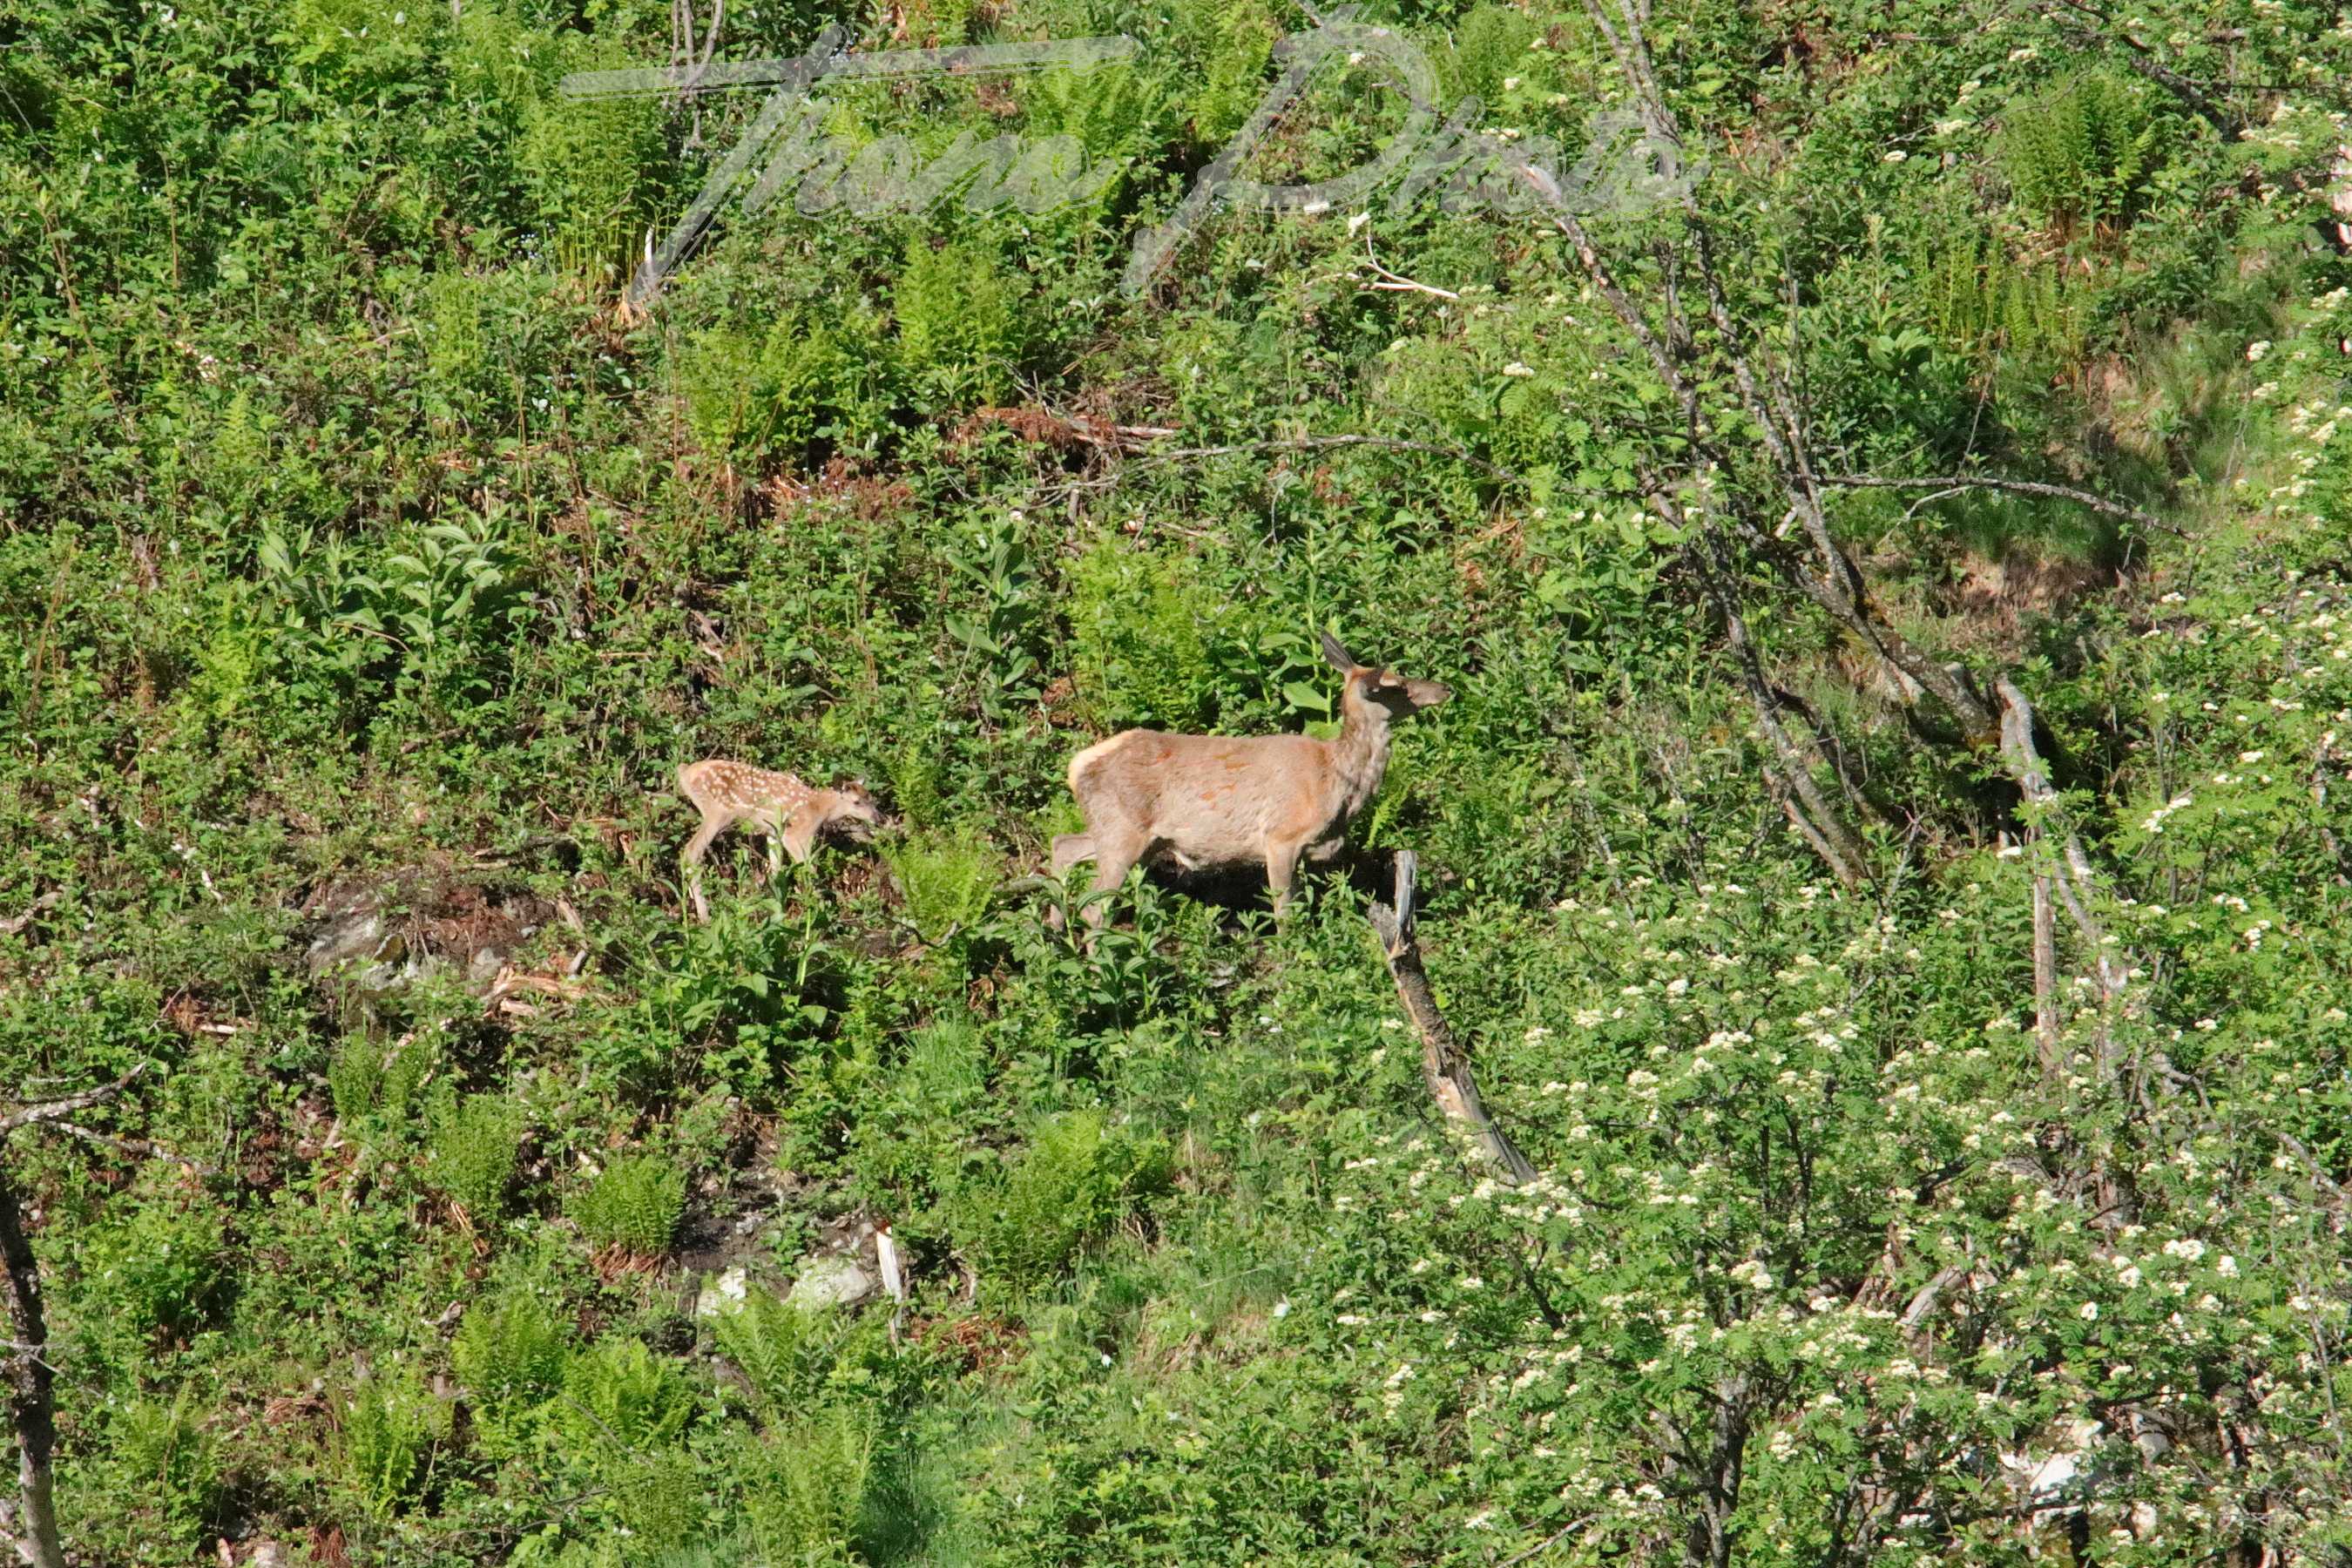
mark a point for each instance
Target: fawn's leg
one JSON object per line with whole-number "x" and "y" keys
{"x": 799, "y": 837}
{"x": 689, "y": 861}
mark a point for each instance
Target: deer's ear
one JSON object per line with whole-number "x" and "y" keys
{"x": 1337, "y": 652}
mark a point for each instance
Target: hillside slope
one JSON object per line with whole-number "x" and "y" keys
{"x": 368, "y": 565}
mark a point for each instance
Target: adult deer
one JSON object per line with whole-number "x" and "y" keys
{"x": 790, "y": 813}
{"x": 1216, "y": 801}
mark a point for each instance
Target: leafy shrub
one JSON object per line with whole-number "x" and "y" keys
{"x": 997, "y": 561}
{"x": 364, "y": 1078}
{"x": 1142, "y": 625}
{"x": 2082, "y": 153}
{"x": 160, "y": 1271}
{"x": 510, "y": 1352}
{"x": 806, "y": 1487}
{"x": 1490, "y": 45}
{"x": 808, "y": 378}
{"x": 1983, "y": 302}
{"x": 916, "y": 780}
{"x": 175, "y": 1460}
{"x": 359, "y": 43}
{"x": 389, "y": 1427}
{"x": 634, "y": 1204}
{"x": 658, "y": 1500}
{"x": 622, "y": 1393}
{"x": 486, "y": 333}
{"x": 440, "y": 611}
{"x": 1110, "y": 110}
{"x": 961, "y": 336}
{"x": 945, "y": 877}
{"x": 1227, "y": 47}
{"x": 740, "y": 975}
{"x": 923, "y": 1130}
{"x": 355, "y": 1077}
{"x": 475, "y": 1146}
{"x": 782, "y": 1351}
{"x": 591, "y": 166}
{"x": 1078, "y": 1178}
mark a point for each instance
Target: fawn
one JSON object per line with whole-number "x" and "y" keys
{"x": 1212, "y": 801}
{"x": 790, "y": 813}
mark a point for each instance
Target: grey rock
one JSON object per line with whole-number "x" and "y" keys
{"x": 354, "y": 933}
{"x": 723, "y": 1295}
{"x": 835, "y": 1281}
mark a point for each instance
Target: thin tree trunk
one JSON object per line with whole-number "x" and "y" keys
{"x": 2071, "y": 875}
{"x": 2074, "y": 880}
{"x": 1443, "y": 1064}
{"x": 2045, "y": 981}
{"x": 1815, "y": 819}
{"x": 24, "y": 1356}
{"x": 32, "y": 1410}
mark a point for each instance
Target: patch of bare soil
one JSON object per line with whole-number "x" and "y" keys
{"x": 2001, "y": 596}
{"x": 386, "y": 929}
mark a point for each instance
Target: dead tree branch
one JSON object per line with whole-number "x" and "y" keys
{"x": 2074, "y": 881}
{"x": 1397, "y": 281}
{"x": 25, "y": 1358}
{"x": 1445, "y": 1066}
{"x": 1949, "y": 483}
{"x": 1816, "y": 820}
{"x": 138, "y": 1148}
{"x": 1319, "y": 443}
{"x": 67, "y": 1105}
{"x": 2045, "y": 981}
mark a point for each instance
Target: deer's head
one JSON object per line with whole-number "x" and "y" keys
{"x": 860, "y": 813}
{"x": 1401, "y": 696}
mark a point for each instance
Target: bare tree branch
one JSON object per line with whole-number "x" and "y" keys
{"x": 1319, "y": 442}
{"x": 1951, "y": 482}
{"x": 66, "y": 1105}
{"x": 2045, "y": 981}
{"x": 141, "y": 1148}
{"x": 1443, "y": 1064}
{"x": 32, "y": 1406}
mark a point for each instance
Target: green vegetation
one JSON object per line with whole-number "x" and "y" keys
{"x": 473, "y": 1154}
{"x": 2083, "y": 151}
{"x": 411, "y": 1182}
{"x": 634, "y": 1205}
{"x": 1073, "y": 1183}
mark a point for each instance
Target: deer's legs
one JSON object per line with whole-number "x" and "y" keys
{"x": 689, "y": 860}
{"x": 799, "y": 837}
{"x": 1281, "y": 870}
{"x": 1069, "y": 848}
{"x": 1113, "y": 856}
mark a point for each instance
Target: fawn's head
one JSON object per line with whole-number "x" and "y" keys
{"x": 860, "y": 813}
{"x": 1401, "y": 696}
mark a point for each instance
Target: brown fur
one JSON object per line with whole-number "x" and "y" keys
{"x": 1212, "y": 802}
{"x": 789, "y": 812}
